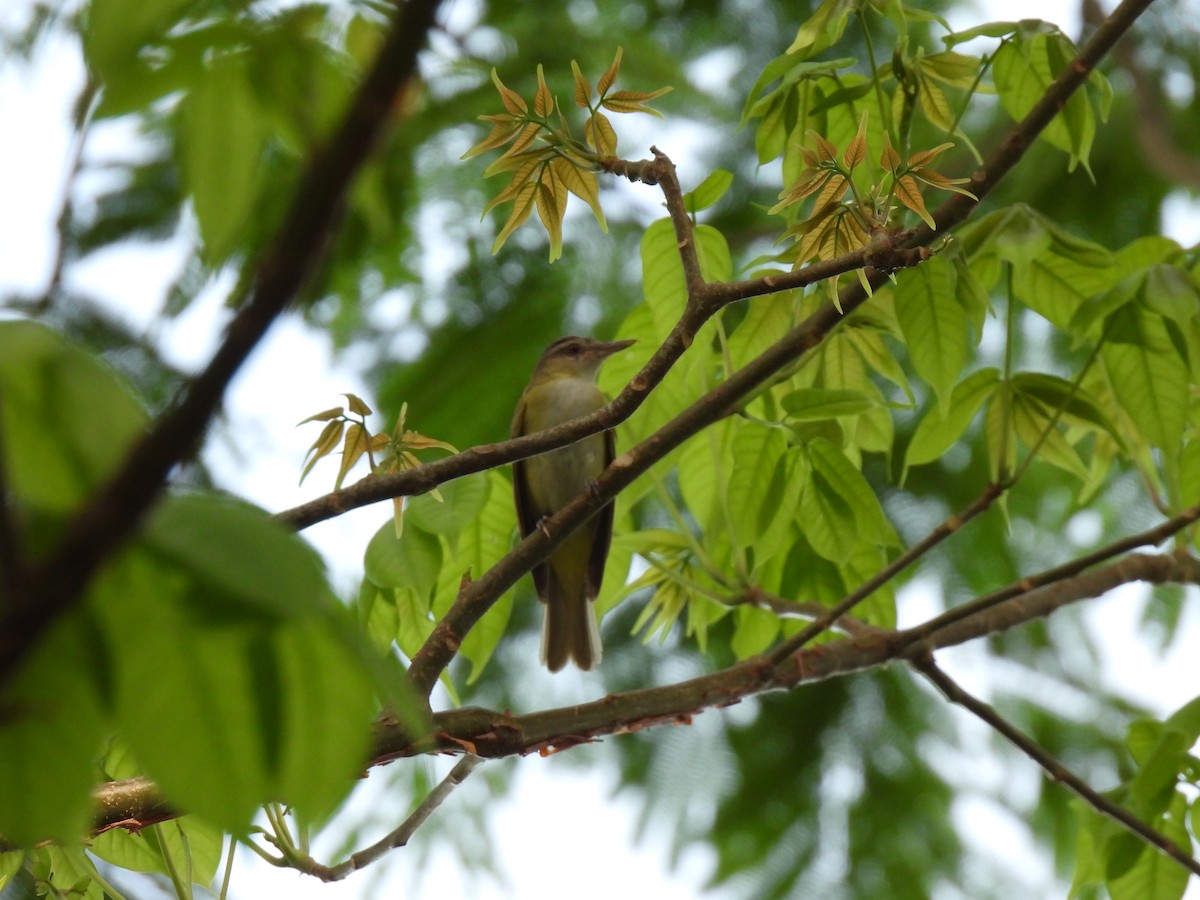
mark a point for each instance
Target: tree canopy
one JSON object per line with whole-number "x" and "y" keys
{"x": 906, "y": 323}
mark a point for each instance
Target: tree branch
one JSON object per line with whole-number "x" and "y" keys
{"x": 492, "y": 733}
{"x": 1052, "y": 767}
{"x": 477, "y": 597}
{"x": 101, "y": 527}
{"x": 398, "y": 838}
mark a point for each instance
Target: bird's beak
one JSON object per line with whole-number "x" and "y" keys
{"x": 605, "y": 350}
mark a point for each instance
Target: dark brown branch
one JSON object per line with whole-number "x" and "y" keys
{"x": 477, "y": 597}
{"x": 110, "y": 518}
{"x": 1051, "y": 766}
{"x": 424, "y": 478}
{"x": 492, "y": 733}
{"x": 13, "y": 572}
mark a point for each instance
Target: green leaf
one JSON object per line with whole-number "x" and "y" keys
{"x": 1057, "y": 393}
{"x": 462, "y": 501}
{"x": 788, "y": 478}
{"x": 934, "y": 325}
{"x": 186, "y": 838}
{"x": 67, "y": 419}
{"x": 1032, "y": 420}
{"x": 831, "y": 464}
{"x": 709, "y": 191}
{"x": 662, "y": 275}
{"x": 704, "y": 469}
{"x": 1023, "y": 68}
{"x": 755, "y": 630}
{"x": 220, "y": 144}
{"x": 238, "y": 560}
{"x": 1148, "y": 376}
{"x": 938, "y": 431}
{"x": 823, "y": 29}
{"x": 116, "y": 31}
{"x": 412, "y": 561}
{"x": 51, "y": 735}
{"x": 1154, "y": 875}
{"x": 1172, "y": 293}
{"x": 816, "y": 404}
{"x": 715, "y": 261}
{"x": 989, "y": 29}
{"x": 264, "y": 712}
{"x": 755, "y": 450}
{"x": 326, "y": 701}
{"x": 481, "y": 545}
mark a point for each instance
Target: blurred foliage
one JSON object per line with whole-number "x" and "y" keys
{"x": 846, "y": 787}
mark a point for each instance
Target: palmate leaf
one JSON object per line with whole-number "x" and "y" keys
{"x": 942, "y": 426}
{"x": 934, "y": 324}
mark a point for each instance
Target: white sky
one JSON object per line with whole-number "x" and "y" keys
{"x": 559, "y": 826}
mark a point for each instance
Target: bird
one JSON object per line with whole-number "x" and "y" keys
{"x": 563, "y": 387}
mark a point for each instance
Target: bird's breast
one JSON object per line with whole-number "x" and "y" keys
{"x": 556, "y": 477}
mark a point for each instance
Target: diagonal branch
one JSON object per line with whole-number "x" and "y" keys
{"x": 110, "y": 518}
{"x": 477, "y": 597}
{"x": 1052, "y": 767}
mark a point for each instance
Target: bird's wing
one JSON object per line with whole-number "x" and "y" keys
{"x": 527, "y": 516}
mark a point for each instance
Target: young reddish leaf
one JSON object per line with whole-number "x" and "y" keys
{"x": 825, "y": 150}
{"x": 353, "y": 449}
{"x": 582, "y": 184}
{"x": 357, "y": 406}
{"x": 523, "y": 203}
{"x": 856, "y": 150}
{"x": 908, "y": 193}
{"x": 551, "y": 212}
{"x": 527, "y": 136}
{"x": 323, "y": 416}
{"x": 941, "y": 182}
{"x": 633, "y": 101}
{"x": 809, "y": 182}
{"x": 583, "y": 88}
{"x": 600, "y": 134}
{"x": 504, "y": 128}
{"x": 511, "y": 99}
{"x": 607, "y": 79}
{"x": 889, "y": 159}
{"x": 543, "y": 100}
{"x": 322, "y": 446}
{"x": 519, "y": 162}
{"x": 519, "y": 179}
{"x": 924, "y": 157}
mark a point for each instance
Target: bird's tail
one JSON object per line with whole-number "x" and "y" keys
{"x": 569, "y": 631}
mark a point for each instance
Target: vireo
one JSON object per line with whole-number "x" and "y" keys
{"x": 563, "y": 387}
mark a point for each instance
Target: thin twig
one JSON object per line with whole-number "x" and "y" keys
{"x": 1151, "y": 537}
{"x": 401, "y": 835}
{"x": 943, "y": 530}
{"x": 84, "y": 104}
{"x": 1051, "y": 766}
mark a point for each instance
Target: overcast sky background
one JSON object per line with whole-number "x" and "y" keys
{"x": 560, "y": 832}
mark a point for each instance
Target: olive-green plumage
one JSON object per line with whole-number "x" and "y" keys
{"x": 562, "y": 388}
